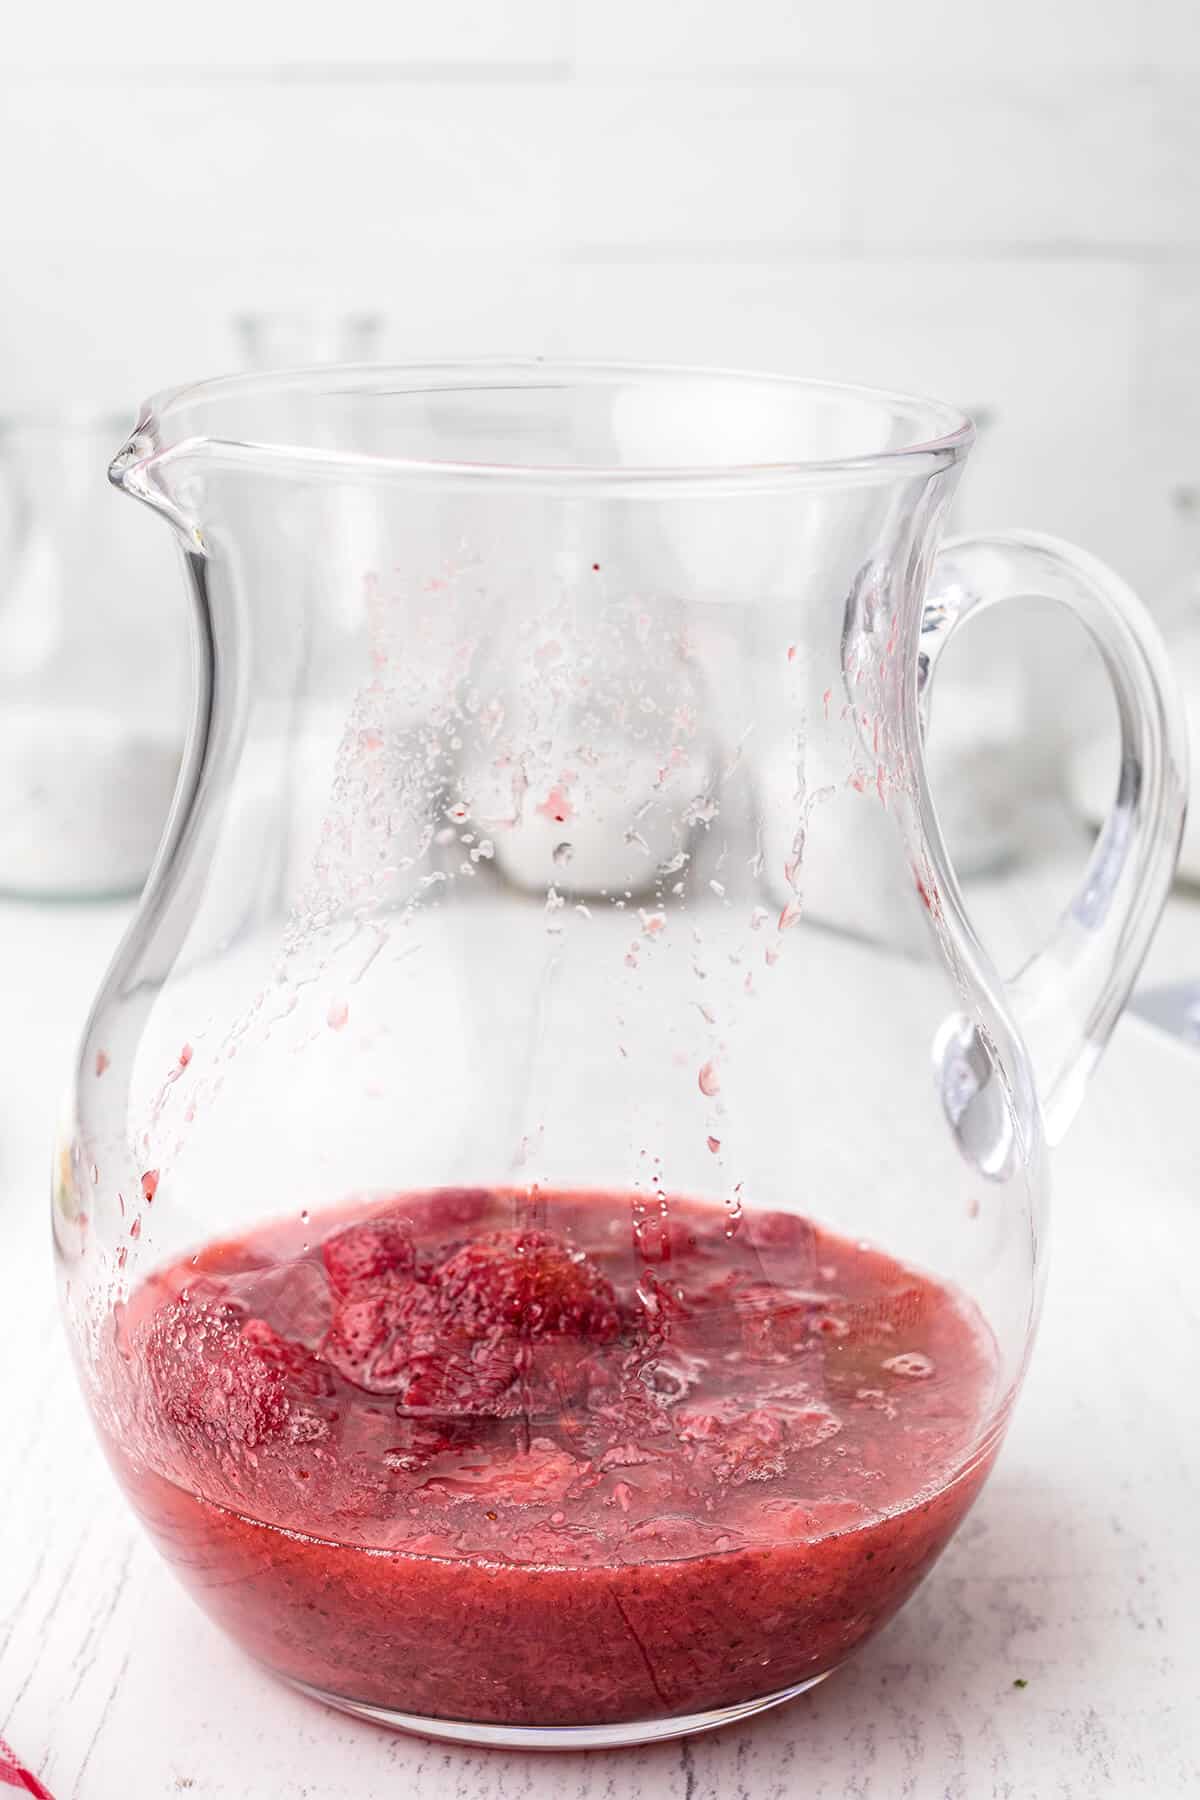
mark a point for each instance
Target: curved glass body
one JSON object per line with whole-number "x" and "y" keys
{"x": 551, "y": 1205}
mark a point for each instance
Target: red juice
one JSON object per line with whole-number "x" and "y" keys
{"x": 570, "y": 1462}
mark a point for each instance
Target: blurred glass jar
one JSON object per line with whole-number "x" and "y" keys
{"x": 294, "y": 339}
{"x": 984, "y": 744}
{"x": 286, "y": 775}
{"x": 93, "y": 695}
{"x": 1094, "y": 765}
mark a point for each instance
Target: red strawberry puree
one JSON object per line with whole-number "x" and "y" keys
{"x": 573, "y": 1460}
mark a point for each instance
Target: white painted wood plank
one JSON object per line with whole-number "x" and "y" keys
{"x": 735, "y": 164}
{"x": 1110, "y": 168}
{"x": 358, "y": 35}
{"x": 261, "y": 167}
{"x": 875, "y": 38}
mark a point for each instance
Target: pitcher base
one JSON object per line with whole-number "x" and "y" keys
{"x": 558, "y": 1737}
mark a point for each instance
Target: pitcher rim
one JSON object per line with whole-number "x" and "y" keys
{"x": 149, "y": 444}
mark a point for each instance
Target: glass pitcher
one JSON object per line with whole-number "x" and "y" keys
{"x": 569, "y": 1293}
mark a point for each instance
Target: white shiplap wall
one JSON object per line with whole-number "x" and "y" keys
{"x": 1000, "y": 204}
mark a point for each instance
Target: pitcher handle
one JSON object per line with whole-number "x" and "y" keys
{"x": 1068, "y": 996}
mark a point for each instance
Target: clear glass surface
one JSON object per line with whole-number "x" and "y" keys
{"x": 551, "y": 1206}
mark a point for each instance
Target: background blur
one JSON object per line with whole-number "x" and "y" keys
{"x": 999, "y": 204}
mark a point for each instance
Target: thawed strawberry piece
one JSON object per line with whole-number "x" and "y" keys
{"x": 371, "y": 1339}
{"x": 785, "y": 1235}
{"x": 670, "y": 1372}
{"x": 733, "y": 1446}
{"x": 518, "y": 1317}
{"x": 773, "y": 1322}
{"x": 210, "y": 1384}
{"x": 303, "y": 1372}
{"x": 634, "y": 1420}
{"x": 293, "y": 1297}
{"x": 528, "y": 1282}
{"x": 363, "y": 1255}
{"x": 449, "y": 1374}
{"x": 503, "y": 1326}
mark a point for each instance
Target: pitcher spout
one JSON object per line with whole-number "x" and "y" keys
{"x": 138, "y": 469}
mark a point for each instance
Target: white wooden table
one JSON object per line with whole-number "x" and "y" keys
{"x": 1078, "y": 1573}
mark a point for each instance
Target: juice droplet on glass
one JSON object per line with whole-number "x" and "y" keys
{"x": 102, "y": 1061}
{"x": 562, "y": 855}
{"x": 929, "y": 898}
{"x": 337, "y": 1015}
{"x": 149, "y": 1185}
{"x": 557, "y": 805}
{"x": 790, "y": 915}
{"x": 708, "y": 1079}
{"x": 714, "y": 1145}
